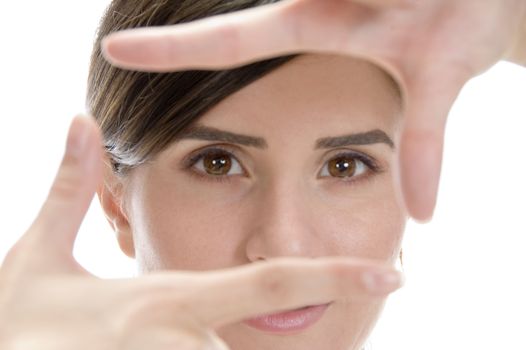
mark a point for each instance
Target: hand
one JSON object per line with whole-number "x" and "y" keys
{"x": 48, "y": 301}
{"x": 432, "y": 48}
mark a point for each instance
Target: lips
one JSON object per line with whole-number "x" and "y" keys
{"x": 289, "y": 321}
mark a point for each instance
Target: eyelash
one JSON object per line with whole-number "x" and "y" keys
{"x": 193, "y": 159}
{"x": 189, "y": 162}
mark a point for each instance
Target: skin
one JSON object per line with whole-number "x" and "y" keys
{"x": 431, "y": 47}
{"x": 48, "y": 301}
{"x": 275, "y": 204}
{"x": 43, "y": 291}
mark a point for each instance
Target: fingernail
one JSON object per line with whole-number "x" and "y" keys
{"x": 77, "y": 137}
{"x": 381, "y": 282}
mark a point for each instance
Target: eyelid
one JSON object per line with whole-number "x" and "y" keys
{"x": 364, "y": 157}
{"x": 374, "y": 167}
{"x": 190, "y": 160}
{"x": 370, "y": 162}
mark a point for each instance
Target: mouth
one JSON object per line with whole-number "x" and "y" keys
{"x": 290, "y": 321}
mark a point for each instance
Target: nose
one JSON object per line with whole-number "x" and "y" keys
{"x": 282, "y": 224}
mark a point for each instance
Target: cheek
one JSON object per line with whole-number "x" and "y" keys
{"x": 205, "y": 227}
{"x": 368, "y": 224}
{"x": 185, "y": 227}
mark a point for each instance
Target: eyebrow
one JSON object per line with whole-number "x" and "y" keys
{"x": 207, "y": 133}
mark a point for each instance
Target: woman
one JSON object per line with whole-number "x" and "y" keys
{"x": 290, "y": 157}
{"x": 278, "y": 215}
{"x": 432, "y": 48}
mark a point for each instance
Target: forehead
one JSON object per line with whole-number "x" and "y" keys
{"x": 312, "y": 95}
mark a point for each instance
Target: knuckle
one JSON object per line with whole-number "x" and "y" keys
{"x": 309, "y": 23}
{"x": 230, "y": 42}
{"x": 340, "y": 278}
{"x": 68, "y": 180}
{"x": 294, "y": 15}
{"x": 276, "y": 284}
{"x": 70, "y": 161}
{"x": 147, "y": 303}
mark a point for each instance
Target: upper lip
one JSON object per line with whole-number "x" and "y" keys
{"x": 307, "y": 306}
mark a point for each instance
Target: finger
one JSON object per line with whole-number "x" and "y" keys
{"x": 218, "y": 41}
{"x": 421, "y": 147}
{"x": 227, "y": 296}
{"x": 56, "y": 226}
{"x": 234, "y": 39}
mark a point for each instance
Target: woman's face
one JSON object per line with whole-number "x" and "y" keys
{"x": 299, "y": 163}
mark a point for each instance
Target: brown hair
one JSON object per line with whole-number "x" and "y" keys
{"x": 141, "y": 113}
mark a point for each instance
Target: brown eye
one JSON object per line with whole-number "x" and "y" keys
{"x": 217, "y": 163}
{"x": 344, "y": 166}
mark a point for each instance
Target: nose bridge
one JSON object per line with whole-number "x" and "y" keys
{"x": 284, "y": 224}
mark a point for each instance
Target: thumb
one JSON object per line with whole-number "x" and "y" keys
{"x": 79, "y": 174}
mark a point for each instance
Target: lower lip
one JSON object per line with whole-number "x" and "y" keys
{"x": 289, "y": 321}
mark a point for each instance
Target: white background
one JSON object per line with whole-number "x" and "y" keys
{"x": 465, "y": 270}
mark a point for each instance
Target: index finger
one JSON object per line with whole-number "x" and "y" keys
{"x": 232, "y": 295}
{"x": 241, "y": 37}
{"x": 215, "y": 42}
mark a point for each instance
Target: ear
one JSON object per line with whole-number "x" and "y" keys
{"x": 111, "y": 198}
